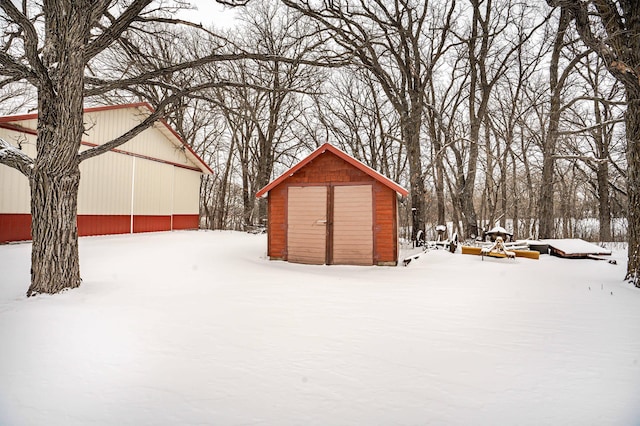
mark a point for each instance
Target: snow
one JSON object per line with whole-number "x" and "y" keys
{"x": 498, "y": 230}
{"x": 195, "y": 328}
{"x": 576, "y": 246}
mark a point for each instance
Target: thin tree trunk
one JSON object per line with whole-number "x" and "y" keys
{"x": 411, "y": 136}
{"x": 224, "y": 183}
{"x": 604, "y": 203}
{"x": 438, "y": 166}
{"x": 602, "y": 174}
{"x": 439, "y": 187}
{"x": 516, "y": 197}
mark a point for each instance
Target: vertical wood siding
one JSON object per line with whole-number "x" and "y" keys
{"x": 277, "y": 225}
{"x": 306, "y": 229}
{"x": 328, "y": 170}
{"x": 385, "y": 227}
{"x": 14, "y": 191}
{"x": 96, "y": 224}
{"x": 352, "y": 225}
{"x": 185, "y": 221}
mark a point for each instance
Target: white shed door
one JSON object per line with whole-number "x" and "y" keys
{"x": 353, "y": 225}
{"x": 307, "y": 224}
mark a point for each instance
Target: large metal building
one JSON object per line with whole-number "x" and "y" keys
{"x": 151, "y": 183}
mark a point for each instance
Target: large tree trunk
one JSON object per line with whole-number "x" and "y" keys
{"x": 55, "y": 178}
{"x": 437, "y": 154}
{"x": 633, "y": 184}
{"x": 54, "y": 256}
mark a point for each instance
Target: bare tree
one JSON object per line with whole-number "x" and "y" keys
{"x": 557, "y": 85}
{"x": 387, "y": 38}
{"x": 361, "y": 121}
{"x": 511, "y": 108}
{"x": 59, "y": 56}
{"x": 612, "y": 30}
{"x": 264, "y": 99}
{"x": 595, "y": 117}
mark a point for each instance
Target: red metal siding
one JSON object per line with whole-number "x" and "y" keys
{"x": 103, "y": 224}
{"x": 15, "y": 227}
{"x": 151, "y": 223}
{"x": 185, "y": 221}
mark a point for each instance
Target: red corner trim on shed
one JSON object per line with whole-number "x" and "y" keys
{"x": 341, "y": 154}
{"x": 202, "y": 165}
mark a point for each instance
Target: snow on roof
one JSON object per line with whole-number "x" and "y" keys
{"x": 498, "y": 230}
{"x": 575, "y": 246}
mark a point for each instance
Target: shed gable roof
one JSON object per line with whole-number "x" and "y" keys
{"x": 10, "y": 122}
{"x": 344, "y": 156}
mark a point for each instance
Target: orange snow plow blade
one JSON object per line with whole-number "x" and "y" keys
{"x": 471, "y": 250}
{"x": 529, "y": 254}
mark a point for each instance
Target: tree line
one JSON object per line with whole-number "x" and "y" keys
{"x": 522, "y": 114}
{"x": 490, "y": 112}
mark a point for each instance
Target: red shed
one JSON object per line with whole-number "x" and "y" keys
{"x": 332, "y": 209}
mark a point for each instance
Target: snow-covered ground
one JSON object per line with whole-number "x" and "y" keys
{"x": 198, "y": 328}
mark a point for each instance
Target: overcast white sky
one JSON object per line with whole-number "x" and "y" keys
{"x": 210, "y": 12}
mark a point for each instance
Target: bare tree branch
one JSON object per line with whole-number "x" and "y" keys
{"x": 30, "y": 42}
{"x": 115, "y": 30}
{"x": 14, "y": 158}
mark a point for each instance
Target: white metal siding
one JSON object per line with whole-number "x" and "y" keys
{"x": 106, "y": 180}
{"x": 153, "y": 188}
{"x": 105, "y": 185}
{"x": 186, "y": 196}
{"x": 152, "y": 143}
{"x": 15, "y": 195}
{"x": 14, "y": 191}
{"x": 104, "y": 126}
{"x": 28, "y": 124}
